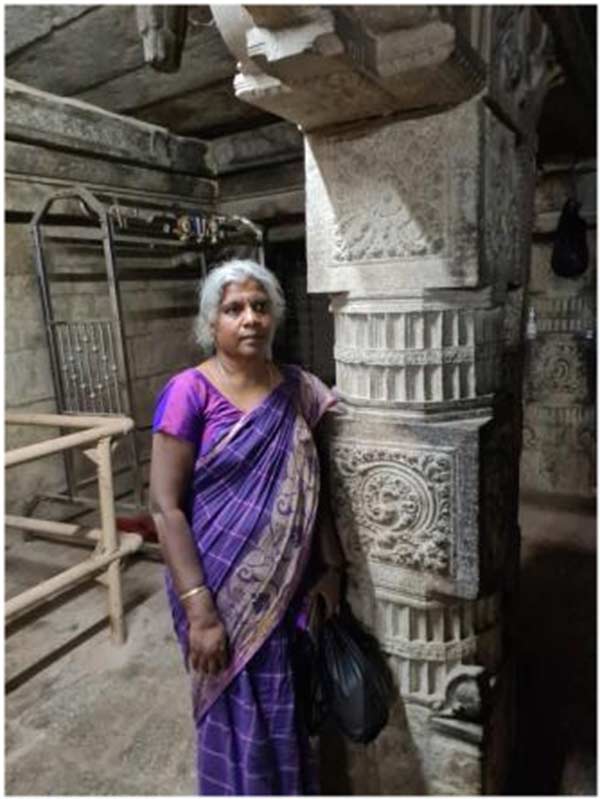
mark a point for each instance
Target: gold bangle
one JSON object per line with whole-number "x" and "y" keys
{"x": 197, "y": 590}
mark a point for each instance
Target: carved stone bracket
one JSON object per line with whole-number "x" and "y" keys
{"x": 325, "y": 65}
{"x": 319, "y": 66}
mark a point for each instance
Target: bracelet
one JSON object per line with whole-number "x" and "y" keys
{"x": 197, "y": 590}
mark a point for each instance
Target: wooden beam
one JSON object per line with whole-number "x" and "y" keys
{"x": 34, "y": 116}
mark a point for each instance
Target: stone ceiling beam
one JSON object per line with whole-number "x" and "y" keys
{"x": 71, "y": 57}
{"x": 318, "y": 66}
{"x": 24, "y": 25}
{"x": 264, "y": 146}
{"x": 321, "y": 66}
{"x": 206, "y": 60}
{"x": 34, "y": 116}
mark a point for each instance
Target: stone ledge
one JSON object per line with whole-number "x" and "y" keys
{"x": 34, "y": 116}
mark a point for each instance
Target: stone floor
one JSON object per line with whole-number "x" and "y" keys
{"x": 84, "y": 717}
{"x": 556, "y": 668}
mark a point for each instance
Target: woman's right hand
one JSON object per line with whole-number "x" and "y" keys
{"x": 207, "y": 637}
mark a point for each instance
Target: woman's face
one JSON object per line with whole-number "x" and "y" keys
{"x": 244, "y": 323}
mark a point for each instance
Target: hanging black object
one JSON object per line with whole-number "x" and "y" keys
{"x": 342, "y": 674}
{"x": 570, "y": 251}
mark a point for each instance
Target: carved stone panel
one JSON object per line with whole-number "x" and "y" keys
{"x": 557, "y": 371}
{"x": 403, "y": 205}
{"x": 400, "y": 502}
{"x": 427, "y": 639}
{"x": 426, "y": 354}
{"x": 407, "y": 500}
{"x": 559, "y": 449}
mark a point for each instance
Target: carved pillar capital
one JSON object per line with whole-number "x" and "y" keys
{"x": 318, "y": 66}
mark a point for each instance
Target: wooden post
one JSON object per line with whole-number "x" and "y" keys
{"x": 44, "y": 592}
{"x": 109, "y": 541}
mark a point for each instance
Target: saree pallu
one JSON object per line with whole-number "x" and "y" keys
{"x": 252, "y": 506}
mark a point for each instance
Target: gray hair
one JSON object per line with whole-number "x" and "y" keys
{"x": 211, "y": 290}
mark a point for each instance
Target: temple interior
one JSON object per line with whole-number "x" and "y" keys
{"x": 422, "y": 181}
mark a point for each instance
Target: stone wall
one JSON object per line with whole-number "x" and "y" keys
{"x": 51, "y": 144}
{"x": 559, "y": 436}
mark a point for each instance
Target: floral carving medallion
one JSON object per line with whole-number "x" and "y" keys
{"x": 396, "y": 504}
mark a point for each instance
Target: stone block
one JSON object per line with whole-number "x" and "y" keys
{"x": 25, "y": 481}
{"x": 24, "y": 24}
{"x": 331, "y": 65}
{"x": 259, "y": 147}
{"x": 427, "y": 640}
{"x": 33, "y": 172}
{"x": 27, "y": 377}
{"x": 23, "y": 321}
{"x": 36, "y": 116}
{"x": 407, "y": 501}
{"x": 18, "y": 250}
{"x": 430, "y": 354}
{"x": 559, "y": 449}
{"x": 558, "y": 371}
{"x": 264, "y": 194}
{"x": 437, "y": 205}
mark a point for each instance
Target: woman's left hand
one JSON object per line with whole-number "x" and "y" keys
{"x": 328, "y": 586}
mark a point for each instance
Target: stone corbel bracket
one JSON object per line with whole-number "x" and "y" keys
{"x": 317, "y": 66}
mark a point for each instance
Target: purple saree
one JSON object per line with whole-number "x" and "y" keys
{"x": 251, "y": 507}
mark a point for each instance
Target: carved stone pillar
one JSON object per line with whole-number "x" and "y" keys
{"x": 414, "y": 212}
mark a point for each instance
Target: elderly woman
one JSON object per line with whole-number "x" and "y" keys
{"x": 235, "y": 487}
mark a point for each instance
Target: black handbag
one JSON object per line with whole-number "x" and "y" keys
{"x": 342, "y": 674}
